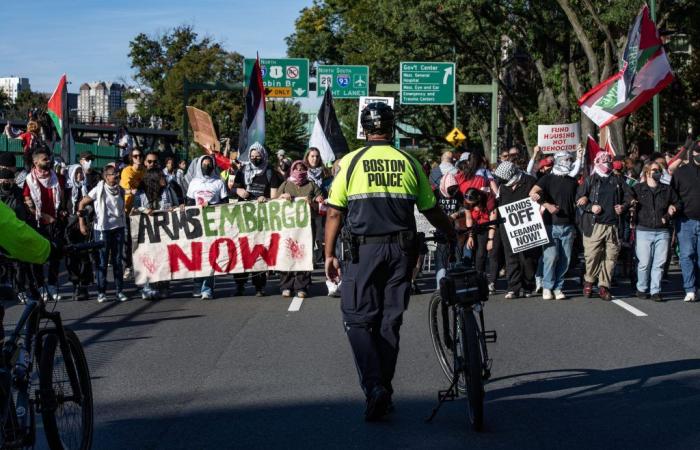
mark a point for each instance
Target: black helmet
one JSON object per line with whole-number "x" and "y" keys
{"x": 377, "y": 118}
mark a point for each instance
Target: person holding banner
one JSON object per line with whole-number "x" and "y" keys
{"x": 109, "y": 226}
{"x": 521, "y": 266}
{"x": 556, "y": 192}
{"x": 129, "y": 181}
{"x": 299, "y": 185}
{"x": 257, "y": 181}
{"x": 602, "y": 199}
{"x": 204, "y": 189}
{"x": 321, "y": 177}
{"x": 155, "y": 194}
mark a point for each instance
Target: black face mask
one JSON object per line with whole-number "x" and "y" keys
{"x": 46, "y": 166}
{"x": 207, "y": 170}
{"x": 6, "y": 188}
{"x": 255, "y": 161}
{"x": 656, "y": 176}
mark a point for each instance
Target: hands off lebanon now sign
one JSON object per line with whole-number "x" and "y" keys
{"x": 524, "y": 226}
{"x": 216, "y": 240}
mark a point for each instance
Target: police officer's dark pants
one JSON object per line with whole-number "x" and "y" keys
{"x": 375, "y": 293}
{"x": 520, "y": 267}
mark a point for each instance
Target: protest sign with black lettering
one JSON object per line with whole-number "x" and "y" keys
{"x": 216, "y": 240}
{"x": 554, "y": 138}
{"x": 524, "y": 225}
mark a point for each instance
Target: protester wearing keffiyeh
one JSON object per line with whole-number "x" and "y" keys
{"x": 43, "y": 177}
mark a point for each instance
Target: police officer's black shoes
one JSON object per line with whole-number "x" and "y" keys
{"x": 378, "y": 403}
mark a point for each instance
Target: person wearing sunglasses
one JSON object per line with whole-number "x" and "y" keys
{"x": 130, "y": 180}
{"x": 655, "y": 205}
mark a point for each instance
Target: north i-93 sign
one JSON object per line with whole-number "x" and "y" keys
{"x": 344, "y": 81}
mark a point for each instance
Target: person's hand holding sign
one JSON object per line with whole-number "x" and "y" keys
{"x": 286, "y": 196}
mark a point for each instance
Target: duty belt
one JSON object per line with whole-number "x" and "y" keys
{"x": 380, "y": 239}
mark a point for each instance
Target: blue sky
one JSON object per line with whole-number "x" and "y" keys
{"x": 89, "y": 40}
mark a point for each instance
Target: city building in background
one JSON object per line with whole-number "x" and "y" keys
{"x": 12, "y": 86}
{"x": 101, "y": 102}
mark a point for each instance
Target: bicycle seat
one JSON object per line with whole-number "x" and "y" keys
{"x": 465, "y": 287}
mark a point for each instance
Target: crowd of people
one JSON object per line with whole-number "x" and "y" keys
{"x": 626, "y": 215}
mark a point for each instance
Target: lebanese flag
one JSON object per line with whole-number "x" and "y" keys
{"x": 57, "y": 109}
{"x": 327, "y": 135}
{"x": 253, "y": 124}
{"x": 645, "y": 72}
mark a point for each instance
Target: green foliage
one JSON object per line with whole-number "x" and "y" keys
{"x": 163, "y": 62}
{"x": 285, "y": 128}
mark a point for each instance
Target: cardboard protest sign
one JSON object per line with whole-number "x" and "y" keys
{"x": 364, "y": 101}
{"x": 216, "y": 240}
{"x": 554, "y": 138}
{"x": 524, "y": 225}
{"x": 203, "y": 128}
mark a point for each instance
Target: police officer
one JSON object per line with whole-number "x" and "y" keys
{"x": 372, "y": 199}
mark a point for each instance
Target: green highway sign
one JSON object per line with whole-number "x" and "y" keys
{"x": 344, "y": 81}
{"x": 427, "y": 83}
{"x": 287, "y": 77}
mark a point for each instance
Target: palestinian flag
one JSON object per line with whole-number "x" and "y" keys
{"x": 57, "y": 109}
{"x": 253, "y": 124}
{"x": 645, "y": 71}
{"x": 327, "y": 136}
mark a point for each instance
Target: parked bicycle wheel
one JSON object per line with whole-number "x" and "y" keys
{"x": 439, "y": 320}
{"x": 469, "y": 340}
{"x": 67, "y": 423}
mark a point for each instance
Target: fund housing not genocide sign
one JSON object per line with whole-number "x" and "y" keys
{"x": 216, "y": 240}
{"x": 523, "y": 224}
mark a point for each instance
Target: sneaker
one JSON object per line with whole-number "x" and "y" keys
{"x": 301, "y": 294}
{"x": 604, "y": 293}
{"x": 286, "y": 293}
{"x": 21, "y": 298}
{"x": 559, "y": 294}
{"x": 332, "y": 288}
{"x": 547, "y": 294}
{"x": 642, "y": 295}
{"x": 510, "y": 295}
{"x": 657, "y": 297}
{"x": 587, "y": 289}
{"x": 206, "y": 295}
{"x": 492, "y": 288}
{"x": 377, "y": 404}
{"x": 101, "y": 297}
{"x": 146, "y": 295}
{"x": 690, "y": 297}
{"x": 260, "y": 293}
{"x": 527, "y": 294}
{"x": 128, "y": 273}
{"x": 53, "y": 293}
{"x": 122, "y": 297}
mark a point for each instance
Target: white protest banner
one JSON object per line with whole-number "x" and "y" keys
{"x": 524, "y": 225}
{"x": 554, "y": 138}
{"x": 364, "y": 101}
{"x": 216, "y": 240}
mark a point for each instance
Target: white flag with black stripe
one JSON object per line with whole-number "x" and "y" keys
{"x": 327, "y": 136}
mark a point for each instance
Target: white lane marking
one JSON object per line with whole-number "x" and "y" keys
{"x": 629, "y": 308}
{"x": 296, "y": 304}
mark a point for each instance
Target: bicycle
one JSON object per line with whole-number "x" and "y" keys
{"x": 44, "y": 370}
{"x": 459, "y": 339}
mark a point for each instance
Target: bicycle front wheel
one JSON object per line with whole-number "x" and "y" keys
{"x": 67, "y": 422}
{"x": 439, "y": 321}
{"x": 471, "y": 367}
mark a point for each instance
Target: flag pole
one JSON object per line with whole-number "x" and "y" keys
{"x": 655, "y": 100}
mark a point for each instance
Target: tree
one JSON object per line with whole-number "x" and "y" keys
{"x": 163, "y": 62}
{"x": 285, "y": 127}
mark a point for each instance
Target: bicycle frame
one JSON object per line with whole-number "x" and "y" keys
{"x": 21, "y": 349}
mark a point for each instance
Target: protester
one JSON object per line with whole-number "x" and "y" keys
{"x": 450, "y": 200}
{"x": 602, "y": 199}
{"x": 91, "y": 178}
{"x": 446, "y": 165}
{"x": 78, "y": 265}
{"x": 130, "y": 180}
{"x": 155, "y": 194}
{"x": 180, "y": 174}
{"x": 205, "y": 189}
{"x": 299, "y": 185}
{"x": 470, "y": 173}
{"x": 520, "y": 267}
{"x": 557, "y": 193}
{"x": 685, "y": 184}
{"x": 109, "y": 226}
{"x": 124, "y": 142}
{"x": 655, "y": 205}
{"x": 255, "y": 181}
{"x": 321, "y": 177}
{"x": 43, "y": 195}
{"x": 284, "y": 164}
{"x": 480, "y": 208}
{"x": 169, "y": 169}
